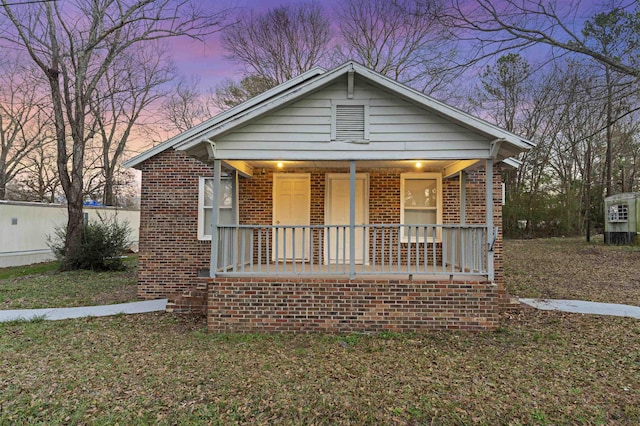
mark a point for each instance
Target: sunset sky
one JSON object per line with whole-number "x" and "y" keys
{"x": 207, "y": 59}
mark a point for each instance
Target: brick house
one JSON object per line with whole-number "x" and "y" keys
{"x": 338, "y": 201}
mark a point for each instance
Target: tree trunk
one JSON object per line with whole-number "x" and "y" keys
{"x": 587, "y": 197}
{"x": 71, "y": 185}
{"x": 108, "y": 197}
{"x": 75, "y": 230}
{"x": 608, "y": 158}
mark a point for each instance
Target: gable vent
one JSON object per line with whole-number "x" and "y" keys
{"x": 350, "y": 122}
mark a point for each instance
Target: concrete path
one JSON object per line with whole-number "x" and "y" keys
{"x": 581, "y": 307}
{"x": 85, "y": 311}
{"x": 574, "y": 306}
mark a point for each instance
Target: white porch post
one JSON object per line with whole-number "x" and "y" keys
{"x": 463, "y": 197}
{"x": 489, "y": 207}
{"x": 234, "y": 195}
{"x": 352, "y": 219}
{"x": 213, "y": 264}
{"x": 235, "y": 241}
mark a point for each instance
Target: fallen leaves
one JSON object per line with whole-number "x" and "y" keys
{"x": 136, "y": 369}
{"x": 569, "y": 268}
{"x": 538, "y": 368}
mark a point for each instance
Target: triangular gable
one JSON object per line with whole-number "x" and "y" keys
{"x": 302, "y": 86}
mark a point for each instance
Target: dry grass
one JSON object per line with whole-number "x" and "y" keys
{"x": 538, "y": 368}
{"x": 43, "y": 286}
{"x": 568, "y": 268}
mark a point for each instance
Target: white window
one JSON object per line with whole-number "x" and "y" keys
{"x": 205, "y": 206}
{"x": 618, "y": 213}
{"x": 420, "y": 203}
{"x": 350, "y": 121}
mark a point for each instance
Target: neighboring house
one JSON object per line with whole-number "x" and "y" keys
{"x": 338, "y": 201}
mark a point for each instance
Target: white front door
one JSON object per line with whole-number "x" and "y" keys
{"x": 337, "y": 242}
{"x": 291, "y": 206}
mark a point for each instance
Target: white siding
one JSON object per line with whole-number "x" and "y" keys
{"x": 397, "y": 130}
{"x": 25, "y": 241}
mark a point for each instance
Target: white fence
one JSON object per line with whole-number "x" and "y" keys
{"x": 24, "y": 228}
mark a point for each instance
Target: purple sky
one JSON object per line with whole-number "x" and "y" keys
{"x": 206, "y": 59}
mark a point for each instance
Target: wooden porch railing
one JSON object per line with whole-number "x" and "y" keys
{"x": 379, "y": 250}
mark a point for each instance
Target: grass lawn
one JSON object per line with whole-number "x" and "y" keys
{"x": 538, "y": 368}
{"x": 43, "y": 286}
{"x": 568, "y": 268}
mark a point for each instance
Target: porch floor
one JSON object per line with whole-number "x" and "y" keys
{"x": 363, "y": 272}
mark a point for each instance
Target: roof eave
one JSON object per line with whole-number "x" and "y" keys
{"x": 287, "y": 95}
{"x": 312, "y": 80}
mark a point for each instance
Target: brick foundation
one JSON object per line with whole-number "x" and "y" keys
{"x": 192, "y": 301}
{"x": 340, "y": 305}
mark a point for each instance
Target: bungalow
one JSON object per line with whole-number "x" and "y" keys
{"x": 337, "y": 201}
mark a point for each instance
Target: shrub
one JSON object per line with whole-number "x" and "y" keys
{"x": 104, "y": 243}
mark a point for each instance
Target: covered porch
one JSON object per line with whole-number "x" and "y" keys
{"x": 427, "y": 234}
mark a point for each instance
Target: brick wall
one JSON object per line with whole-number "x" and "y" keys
{"x": 340, "y": 305}
{"x": 170, "y": 253}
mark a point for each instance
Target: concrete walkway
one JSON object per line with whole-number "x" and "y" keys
{"x": 581, "y": 307}
{"x": 574, "y": 306}
{"x": 85, "y": 311}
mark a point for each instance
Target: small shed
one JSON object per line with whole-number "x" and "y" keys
{"x": 622, "y": 214}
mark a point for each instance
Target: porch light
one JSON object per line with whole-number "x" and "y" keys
{"x": 418, "y": 165}
{"x": 280, "y": 165}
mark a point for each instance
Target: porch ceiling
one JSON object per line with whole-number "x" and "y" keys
{"x": 426, "y": 165}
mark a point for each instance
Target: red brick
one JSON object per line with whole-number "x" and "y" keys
{"x": 171, "y": 255}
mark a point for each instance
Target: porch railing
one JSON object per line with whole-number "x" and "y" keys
{"x": 379, "y": 249}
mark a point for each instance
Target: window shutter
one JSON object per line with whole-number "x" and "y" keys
{"x": 350, "y": 122}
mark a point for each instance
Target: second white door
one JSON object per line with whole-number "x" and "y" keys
{"x": 337, "y": 210}
{"x": 291, "y": 201}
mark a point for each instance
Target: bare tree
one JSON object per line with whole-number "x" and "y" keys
{"x": 400, "y": 39}
{"x": 39, "y": 179}
{"x": 506, "y": 86}
{"x": 74, "y": 45}
{"x": 186, "y": 105}
{"x": 281, "y": 43}
{"x": 607, "y": 33}
{"x": 627, "y": 156}
{"x": 22, "y": 121}
{"x": 229, "y": 93}
{"x": 518, "y": 24}
{"x": 133, "y": 82}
